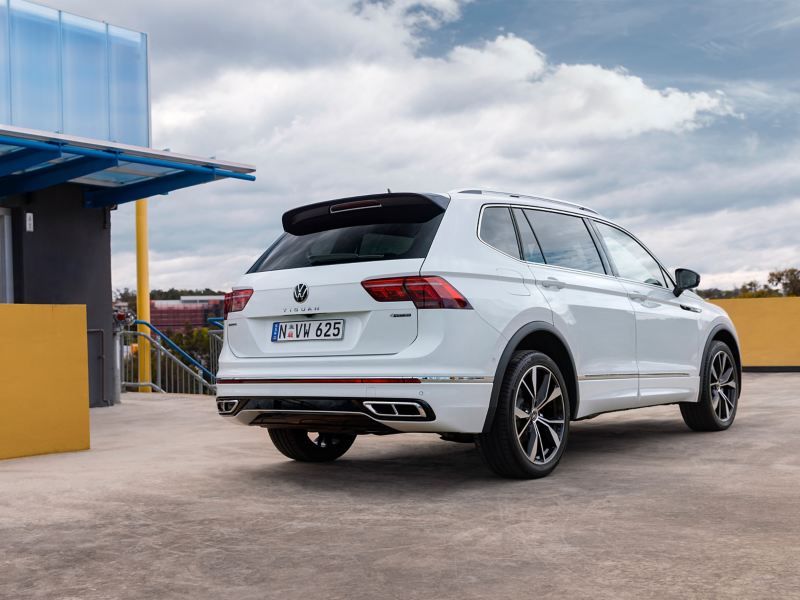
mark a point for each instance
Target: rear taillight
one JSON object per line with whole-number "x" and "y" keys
{"x": 424, "y": 292}
{"x": 236, "y": 301}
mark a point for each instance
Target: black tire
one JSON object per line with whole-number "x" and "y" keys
{"x": 502, "y": 446}
{"x": 715, "y": 410}
{"x": 298, "y": 444}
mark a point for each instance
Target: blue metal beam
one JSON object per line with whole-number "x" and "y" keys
{"x": 58, "y": 173}
{"x": 124, "y": 157}
{"x": 94, "y": 160}
{"x": 145, "y": 189}
{"x": 26, "y": 158}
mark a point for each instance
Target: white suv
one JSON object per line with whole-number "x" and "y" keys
{"x": 481, "y": 316}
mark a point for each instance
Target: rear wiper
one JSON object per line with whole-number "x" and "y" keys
{"x": 316, "y": 259}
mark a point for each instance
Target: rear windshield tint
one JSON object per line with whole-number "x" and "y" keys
{"x": 357, "y": 243}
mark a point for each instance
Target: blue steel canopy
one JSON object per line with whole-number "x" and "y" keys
{"x": 114, "y": 173}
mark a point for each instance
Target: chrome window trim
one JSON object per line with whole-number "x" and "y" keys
{"x": 485, "y": 243}
{"x": 526, "y": 262}
{"x": 592, "y": 217}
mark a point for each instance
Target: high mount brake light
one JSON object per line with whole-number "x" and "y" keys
{"x": 357, "y": 205}
{"x": 424, "y": 292}
{"x": 236, "y": 301}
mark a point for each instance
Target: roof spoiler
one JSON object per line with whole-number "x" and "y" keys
{"x": 364, "y": 210}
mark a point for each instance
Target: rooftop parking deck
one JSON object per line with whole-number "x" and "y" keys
{"x": 172, "y": 502}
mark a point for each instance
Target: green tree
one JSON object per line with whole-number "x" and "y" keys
{"x": 787, "y": 279}
{"x": 753, "y": 289}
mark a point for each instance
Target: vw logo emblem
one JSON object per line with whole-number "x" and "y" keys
{"x": 300, "y": 293}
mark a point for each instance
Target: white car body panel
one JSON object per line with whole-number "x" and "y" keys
{"x": 632, "y": 344}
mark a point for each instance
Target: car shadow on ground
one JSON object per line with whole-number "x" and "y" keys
{"x": 430, "y": 463}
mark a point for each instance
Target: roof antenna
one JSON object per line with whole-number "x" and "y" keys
{"x": 388, "y": 191}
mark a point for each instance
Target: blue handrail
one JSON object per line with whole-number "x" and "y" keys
{"x": 217, "y": 321}
{"x": 177, "y": 349}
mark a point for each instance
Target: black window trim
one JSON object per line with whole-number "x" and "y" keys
{"x": 516, "y": 233}
{"x": 519, "y": 237}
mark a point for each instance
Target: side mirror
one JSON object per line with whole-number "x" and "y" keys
{"x": 687, "y": 280}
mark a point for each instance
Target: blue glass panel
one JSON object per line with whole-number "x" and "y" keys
{"x": 85, "y": 76}
{"x": 105, "y": 177}
{"x": 129, "y": 94}
{"x": 5, "y": 86}
{"x": 35, "y": 68}
{"x": 150, "y": 170}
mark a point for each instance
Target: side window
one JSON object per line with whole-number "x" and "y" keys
{"x": 530, "y": 247}
{"x": 632, "y": 261}
{"x": 565, "y": 241}
{"x": 497, "y": 230}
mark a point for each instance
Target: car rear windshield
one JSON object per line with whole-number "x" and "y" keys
{"x": 349, "y": 243}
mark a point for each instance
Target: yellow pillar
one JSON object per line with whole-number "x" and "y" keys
{"x": 143, "y": 292}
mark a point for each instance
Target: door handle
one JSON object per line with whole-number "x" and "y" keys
{"x": 638, "y": 297}
{"x": 551, "y": 283}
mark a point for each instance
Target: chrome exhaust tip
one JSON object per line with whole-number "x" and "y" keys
{"x": 226, "y": 406}
{"x": 388, "y": 408}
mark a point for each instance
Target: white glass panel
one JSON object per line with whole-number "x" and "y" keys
{"x": 129, "y": 95}
{"x": 5, "y": 87}
{"x": 85, "y": 76}
{"x": 35, "y": 68}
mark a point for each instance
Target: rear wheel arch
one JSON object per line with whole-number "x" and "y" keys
{"x": 543, "y": 337}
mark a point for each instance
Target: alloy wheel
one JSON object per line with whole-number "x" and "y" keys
{"x": 723, "y": 386}
{"x": 539, "y": 415}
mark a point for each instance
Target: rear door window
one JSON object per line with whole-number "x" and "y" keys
{"x": 497, "y": 230}
{"x": 565, "y": 241}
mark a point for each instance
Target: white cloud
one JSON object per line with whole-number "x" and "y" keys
{"x": 497, "y": 110}
{"x": 376, "y": 113}
{"x": 728, "y": 247}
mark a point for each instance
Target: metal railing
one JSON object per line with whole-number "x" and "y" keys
{"x": 191, "y": 360}
{"x": 215, "y": 341}
{"x": 170, "y": 372}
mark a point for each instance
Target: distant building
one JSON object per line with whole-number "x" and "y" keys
{"x": 189, "y": 311}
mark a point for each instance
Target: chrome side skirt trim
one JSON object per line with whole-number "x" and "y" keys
{"x": 656, "y": 375}
{"x": 356, "y": 380}
{"x": 604, "y": 376}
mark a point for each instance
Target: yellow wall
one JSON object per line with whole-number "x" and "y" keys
{"x": 768, "y": 328}
{"x": 44, "y": 388}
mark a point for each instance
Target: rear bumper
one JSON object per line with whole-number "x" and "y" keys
{"x": 445, "y": 405}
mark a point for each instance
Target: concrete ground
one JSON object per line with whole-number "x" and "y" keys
{"x": 172, "y": 502}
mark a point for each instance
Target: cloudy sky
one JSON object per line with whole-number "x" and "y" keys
{"x": 680, "y": 119}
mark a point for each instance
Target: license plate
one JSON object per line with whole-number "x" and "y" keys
{"x": 301, "y": 331}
